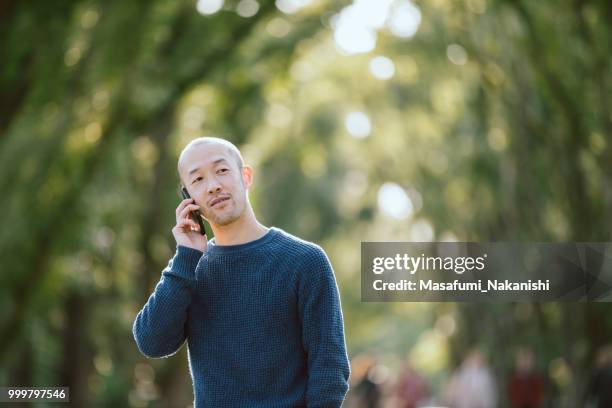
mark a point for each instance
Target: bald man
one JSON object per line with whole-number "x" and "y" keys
{"x": 258, "y": 307}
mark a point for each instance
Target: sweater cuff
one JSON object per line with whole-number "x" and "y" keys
{"x": 185, "y": 261}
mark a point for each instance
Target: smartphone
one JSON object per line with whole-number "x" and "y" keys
{"x": 195, "y": 215}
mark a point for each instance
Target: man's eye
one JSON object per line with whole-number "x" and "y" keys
{"x": 222, "y": 171}
{"x": 196, "y": 180}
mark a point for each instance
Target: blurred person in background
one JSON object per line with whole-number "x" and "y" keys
{"x": 411, "y": 387}
{"x": 366, "y": 390}
{"x": 258, "y": 307}
{"x": 526, "y": 385}
{"x": 600, "y": 386}
{"x": 472, "y": 385}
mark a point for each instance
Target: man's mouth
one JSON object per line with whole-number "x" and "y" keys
{"x": 218, "y": 200}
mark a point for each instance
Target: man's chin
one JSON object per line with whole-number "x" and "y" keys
{"x": 222, "y": 221}
{"x": 224, "y": 218}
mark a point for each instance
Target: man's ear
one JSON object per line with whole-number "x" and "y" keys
{"x": 247, "y": 176}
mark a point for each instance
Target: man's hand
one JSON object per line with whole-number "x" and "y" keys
{"x": 186, "y": 231}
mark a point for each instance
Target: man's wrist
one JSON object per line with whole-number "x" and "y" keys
{"x": 186, "y": 260}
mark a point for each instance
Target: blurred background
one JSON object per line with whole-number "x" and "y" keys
{"x": 371, "y": 120}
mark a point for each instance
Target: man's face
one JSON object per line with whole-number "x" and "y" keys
{"x": 213, "y": 178}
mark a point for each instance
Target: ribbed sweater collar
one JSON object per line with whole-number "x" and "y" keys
{"x": 214, "y": 249}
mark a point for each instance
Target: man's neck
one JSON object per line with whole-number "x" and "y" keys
{"x": 243, "y": 230}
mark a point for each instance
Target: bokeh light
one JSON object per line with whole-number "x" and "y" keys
{"x": 382, "y": 67}
{"x": 247, "y": 8}
{"x": 393, "y": 201}
{"x": 358, "y": 124}
{"x": 209, "y": 7}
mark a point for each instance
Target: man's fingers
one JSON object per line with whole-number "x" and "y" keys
{"x": 182, "y": 205}
{"x": 185, "y": 212}
{"x": 187, "y": 224}
{"x": 183, "y": 216}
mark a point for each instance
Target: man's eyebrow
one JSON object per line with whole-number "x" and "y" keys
{"x": 214, "y": 163}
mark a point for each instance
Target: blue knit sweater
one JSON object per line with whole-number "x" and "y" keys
{"x": 262, "y": 321}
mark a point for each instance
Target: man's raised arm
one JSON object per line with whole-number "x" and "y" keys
{"x": 159, "y": 328}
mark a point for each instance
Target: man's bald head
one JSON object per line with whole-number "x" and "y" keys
{"x": 231, "y": 148}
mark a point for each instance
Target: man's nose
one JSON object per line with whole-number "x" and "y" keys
{"x": 214, "y": 186}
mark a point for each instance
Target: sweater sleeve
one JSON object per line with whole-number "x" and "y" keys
{"x": 159, "y": 328}
{"x": 322, "y": 333}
